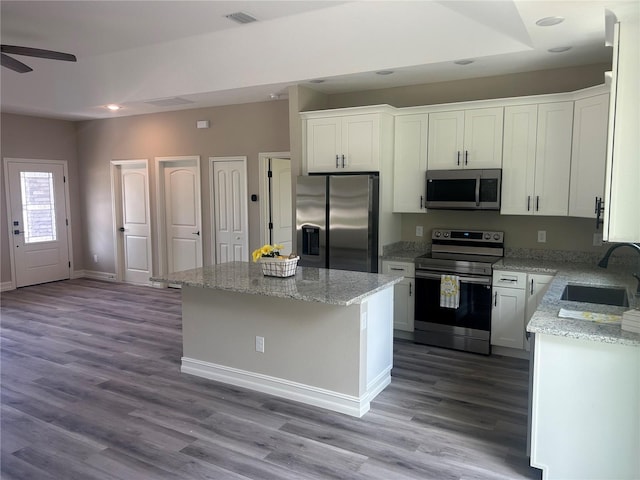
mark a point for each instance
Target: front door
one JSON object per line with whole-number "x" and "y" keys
{"x": 38, "y": 220}
{"x": 133, "y": 223}
{"x": 229, "y": 184}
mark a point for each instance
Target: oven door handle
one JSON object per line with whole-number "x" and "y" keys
{"x": 435, "y": 276}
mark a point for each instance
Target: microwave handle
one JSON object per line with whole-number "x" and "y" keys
{"x": 478, "y": 191}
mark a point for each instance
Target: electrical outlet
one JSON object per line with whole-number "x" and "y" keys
{"x": 260, "y": 344}
{"x": 542, "y": 236}
{"x": 95, "y": 258}
{"x": 597, "y": 239}
{"x": 419, "y": 231}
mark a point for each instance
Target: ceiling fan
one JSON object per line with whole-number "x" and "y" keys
{"x": 17, "y": 66}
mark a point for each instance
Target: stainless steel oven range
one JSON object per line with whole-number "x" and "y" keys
{"x": 467, "y": 255}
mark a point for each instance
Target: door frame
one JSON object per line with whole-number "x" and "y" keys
{"x": 263, "y": 192}
{"x": 212, "y": 200}
{"x": 116, "y": 210}
{"x": 161, "y": 230}
{"x": 67, "y": 209}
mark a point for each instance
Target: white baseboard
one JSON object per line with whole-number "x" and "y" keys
{"x": 279, "y": 387}
{"x": 107, "y": 276}
{"x": 78, "y": 274}
{"x": 509, "y": 352}
{"x": 6, "y": 286}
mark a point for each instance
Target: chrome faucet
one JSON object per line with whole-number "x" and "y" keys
{"x": 605, "y": 260}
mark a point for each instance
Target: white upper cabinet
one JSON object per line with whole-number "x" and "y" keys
{"x": 537, "y": 146}
{"x": 465, "y": 139}
{"x": 348, "y": 143}
{"x": 410, "y": 163}
{"x": 588, "y": 155}
{"x": 622, "y": 191}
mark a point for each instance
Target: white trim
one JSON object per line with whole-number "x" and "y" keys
{"x": 78, "y": 274}
{"x": 6, "y": 286}
{"x": 279, "y": 387}
{"x": 160, "y": 205}
{"x": 67, "y": 207}
{"x": 107, "y": 276}
{"x": 263, "y": 192}
{"x": 212, "y": 200}
{"x": 116, "y": 211}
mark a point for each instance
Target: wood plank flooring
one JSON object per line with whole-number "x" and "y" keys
{"x": 91, "y": 389}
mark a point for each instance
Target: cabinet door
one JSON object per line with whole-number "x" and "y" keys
{"x": 588, "y": 155}
{"x": 553, "y": 158}
{"x": 324, "y": 142}
{"x": 361, "y": 143}
{"x": 410, "y": 163}
{"x": 483, "y": 138}
{"x": 519, "y": 159}
{"x": 445, "y": 145}
{"x": 537, "y": 285}
{"x": 403, "y": 307}
{"x": 507, "y": 317}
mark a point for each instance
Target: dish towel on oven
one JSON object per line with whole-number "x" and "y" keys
{"x": 449, "y": 291}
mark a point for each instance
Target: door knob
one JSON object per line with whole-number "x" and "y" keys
{"x": 196, "y": 233}
{"x": 121, "y": 229}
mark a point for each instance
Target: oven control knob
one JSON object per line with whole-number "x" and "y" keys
{"x": 438, "y": 234}
{"x": 487, "y": 236}
{"x": 496, "y": 236}
{"x": 446, "y": 234}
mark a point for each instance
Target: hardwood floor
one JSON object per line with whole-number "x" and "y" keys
{"x": 91, "y": 389}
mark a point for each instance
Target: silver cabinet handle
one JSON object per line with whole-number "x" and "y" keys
{"x": 495, "y": 299}
{"x": 337, "y": 161}
{"x": 537, "y": 203}
{"x": 458, "y": 157}
{"x": 410, "y": 289}
{"x": 421, "y": 201}
{"x": 343, "y": 162}
{"x": 528, "y": 202}
{"x": 466, "y": 157}
{"x": 396, "y": 269}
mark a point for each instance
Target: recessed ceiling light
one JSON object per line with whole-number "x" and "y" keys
{"x": 317, "y": 80}
{"x": 113, "y": 107}
{"x": 274, "y": 96}
{"x": 549, "y": 21}
{"x": 558, "y": 49}
{"x": 384, "y": 72}
{"x": 464, "y": 62}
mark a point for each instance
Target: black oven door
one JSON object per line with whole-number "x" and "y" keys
{"x": 473, "y": 314}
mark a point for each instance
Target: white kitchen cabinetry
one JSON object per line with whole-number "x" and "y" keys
{"x": 588, "y": 155}
{"x": 403, "y": 294}
{"x": 508, "y": 309}
{"x": 622, "y": 195}
{"x": 537, "y": 284}
{"x": 347, "y": 143}
{"x": 465, "y": 139}
{"x": 536, "y": 163}
{"x": 410, "y": 163}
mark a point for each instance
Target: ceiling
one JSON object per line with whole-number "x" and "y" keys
{"x": 186, "y": 54}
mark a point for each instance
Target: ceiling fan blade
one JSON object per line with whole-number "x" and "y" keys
{"x": 15, "y": 65}
{"x": 37, "y": 52}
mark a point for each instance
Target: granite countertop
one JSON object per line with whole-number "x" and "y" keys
{"x": 546, "y": 321}
{"x": 334, "y": 287}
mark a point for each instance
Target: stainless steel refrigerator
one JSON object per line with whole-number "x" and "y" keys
{"x": 337, "y": 221}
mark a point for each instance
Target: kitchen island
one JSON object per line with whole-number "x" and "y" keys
{"x": 321, "y": 337}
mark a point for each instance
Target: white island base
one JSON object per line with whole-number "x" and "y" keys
{"x": 332, "y": 356}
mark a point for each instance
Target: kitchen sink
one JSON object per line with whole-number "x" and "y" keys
{"x": 596, "y": 294}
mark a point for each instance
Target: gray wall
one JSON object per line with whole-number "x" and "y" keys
{"x": 43, "y": 139}
{"x": 244, "y": 130}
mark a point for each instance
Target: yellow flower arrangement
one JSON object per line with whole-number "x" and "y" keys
{"x": 267, "y": 251}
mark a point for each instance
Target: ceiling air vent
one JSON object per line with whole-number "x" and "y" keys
{"x": 241, "y": 17}
{"x": 169, "y": 102}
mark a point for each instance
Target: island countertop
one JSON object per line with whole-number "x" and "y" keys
{"x": 309, "y": 284}
{"x": 546, "y": 320}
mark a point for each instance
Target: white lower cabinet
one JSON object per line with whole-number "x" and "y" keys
{"x": 508, "y": 309}
{"x": 403, "y": 294}
{"x": 516, "y": 296}
{"x": 537, "y": 285}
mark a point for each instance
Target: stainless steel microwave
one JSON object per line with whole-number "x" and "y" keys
{"x": 464, "y": 189}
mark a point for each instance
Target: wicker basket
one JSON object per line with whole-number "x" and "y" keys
{"x": 279, "y": 267}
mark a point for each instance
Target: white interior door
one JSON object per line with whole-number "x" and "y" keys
{"x": 131, "y": 197}
{"x": 38, "y": 221}
{"x": 280, "y": 195}
{"x": 229, "y": 196}
{"x": 180, "y": 196}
